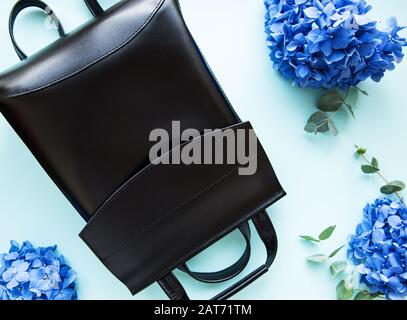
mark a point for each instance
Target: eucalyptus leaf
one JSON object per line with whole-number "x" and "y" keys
{"x": 338, "y": 267}
{"x": 332, "y": 127}
{"x": 368, "y": 169}
{"x": 318, "y": 258}
{"x": 335, "y": 252}
{"x": 309, "y": 239}
{"x": 311, "y": 127}
{"x": 364, "y": 295}
{"x": 392, "y": 187}
{"x": 344, "y": 290}
{"x": 350, "y": 108}
{"x": 318, "y": 122}
{"x": 330, "y": 102}
{"x": 327, "y": 233}
{"x": 375, "y": 163}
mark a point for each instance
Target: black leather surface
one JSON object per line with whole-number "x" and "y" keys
{"x": 205, "y": 203}
{"x": 95, "y": 123}
{"x": 85, "y": 107}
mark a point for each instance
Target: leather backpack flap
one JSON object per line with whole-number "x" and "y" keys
{"x": 166, "y": 214}
{"x": 85, "y": 106}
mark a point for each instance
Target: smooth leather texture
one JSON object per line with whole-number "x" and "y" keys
{"x": 132, "y": 91}
{"x": 213, "y": 201}
{"x": 85, "y": 107}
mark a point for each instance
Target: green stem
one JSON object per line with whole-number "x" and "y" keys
{"x": 346, "y": 95}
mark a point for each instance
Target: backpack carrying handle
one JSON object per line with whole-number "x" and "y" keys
{"x": 175, "y": 291}
{"x": 24, "y": 4}
{"x": 93, "y": 6}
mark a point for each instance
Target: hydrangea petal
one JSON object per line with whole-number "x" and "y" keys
{"x": 11, "y": 256}
{"x": 335, "y": 56}
{"x": 69, "y": 279}
{"x": 341, "y": 39}
{"x": 13, "y": 283}
{"x": 378, "y": 236}
{"x": 362, "y": 20}
{"x": 22, "y": 277}
{"x": 395, "y": 221}
{"x": 8, "y": 274}
{"x": 312, "y": 12}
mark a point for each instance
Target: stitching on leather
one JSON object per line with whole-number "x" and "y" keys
{"x": 198, "y": 249}
{"x": 124, "y": 187}
{"x": 157, "y": 221}
{"x": 110, "y": 52}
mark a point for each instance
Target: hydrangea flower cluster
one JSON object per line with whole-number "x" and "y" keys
{"x": 330, "y": 43}
{"x": 379, "y": 248}
{"x": 29, "y": 273}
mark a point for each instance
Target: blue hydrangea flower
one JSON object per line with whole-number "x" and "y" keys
{"x": 330, "y": 43}
{"x": 29, "y": 273}
{"x": 379, "y": 248}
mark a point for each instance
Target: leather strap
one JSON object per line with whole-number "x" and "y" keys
{"x": 267, "y": 233}
{"x": 175, "y": 291}
{"x": 95, "y": 7}
{"x": 228, "y": 273}
{"x": 20, "y": 6}
{"x": 173, "y": 288}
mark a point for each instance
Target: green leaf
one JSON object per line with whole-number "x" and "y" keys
{"x": 309, "y": 239}
{"x": 318, "y": 258}
{"x": 360, "y": 151}
{"x": 362, "y": 91}
{"x": 375, "y": 163}
{"x": 332, "y": 128}
{"x": 318, "y": 122}
{"x": 377, "y": 295}
{"x": 344, "y": 290}
{"x": 350, "y": 108}
{"x": 392, "y": 187}
{"x": 327, "y": 233}
{"x": 335, "y": 252}
{"x": 338, "y": 267}
{"x": 369, "y": 169}
{"x": 364, "y": 295}
{"x": 311, "y": 127}
{"x": 330, "y": 102}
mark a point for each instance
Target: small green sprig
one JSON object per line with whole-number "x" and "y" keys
{"x": 324, "y": 235}
{"x": 347, "y": 287}
{"x": 372, "y": 167}
{"x": 329, "y": 105}
{"x": 336, "y": 268}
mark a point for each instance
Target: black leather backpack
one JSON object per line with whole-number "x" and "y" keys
{"x": 86, "y": 105}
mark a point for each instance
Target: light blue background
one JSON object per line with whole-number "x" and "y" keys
{"x": 320, "y": 174}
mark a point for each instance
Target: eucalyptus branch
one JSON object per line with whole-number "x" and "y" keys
{"x": 372, "y": 167}
{"x": 347, "y": 287}
{"x": 329, "y": 105}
